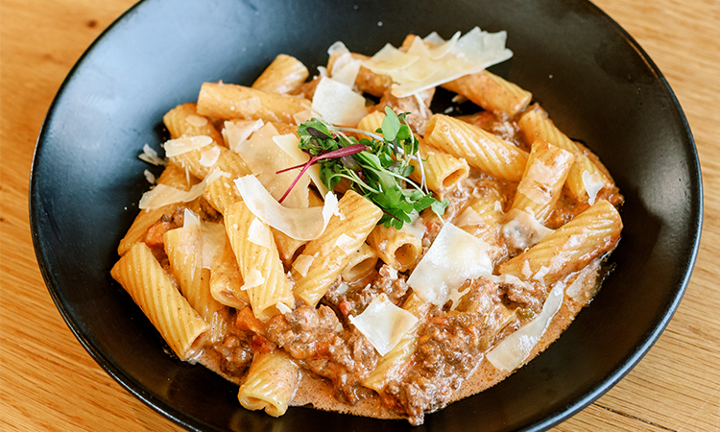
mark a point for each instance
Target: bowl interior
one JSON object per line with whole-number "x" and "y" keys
{"x": 593, "y": 79}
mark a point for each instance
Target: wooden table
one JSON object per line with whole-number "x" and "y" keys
{"x": 49, "y": 382}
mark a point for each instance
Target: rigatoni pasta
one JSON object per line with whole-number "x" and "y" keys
{"x": 481, "y": 149}
{"x": 432, "y": 250}
{"x": 150, "y": 287}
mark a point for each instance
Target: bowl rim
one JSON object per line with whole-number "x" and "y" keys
{"x": 191, "y": 423}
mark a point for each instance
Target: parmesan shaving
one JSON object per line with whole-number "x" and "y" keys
{"x": 346, "y": 243}
{"x": 538, "y": 175}
{"x": 212, "y": 237}
{"x": 150, "y": 177}
{"x": 260, "y": 234}
{"x": 345, "y": 68}
{"x": 213, "y": 242}
{"x": 150, "y": 156}
{"x": 209, "y": 157}
{"x": 162, "y": 195}
{"x": 469, "y": 218}
{"x": 283, "y": 308}
{"x": 337, "y": 103}
{"x": 338, "y": 48}
{"x": 342, "y": 288}
{"x": 454, "y": 257}
{"x": 236, "y": 132}
{"x": 383, "y": 323}
{"x": 254, "y": 278}
{"x": 515, "y": 349}
{"x": 593, "y": 183}
{"x": 523, "y": 230}
{"x": 196, "y": 120}
{"x": 526, "y": 271}
{"x": 540, "y": 275}
{"x": 265, "y": 158}
{"x": 290, "y": 144}
{"x": 299, "y": 223}
{"x": 416, "y": 227}
{"x": 187, "y": 144}
{"x": 302, "y": 116}
{"x": 302, "y": 264}
{"x": 191, "y": 219}
{"x": 433, "y": 61}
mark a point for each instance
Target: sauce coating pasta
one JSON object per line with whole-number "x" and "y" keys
{"x": 420, "y": 260}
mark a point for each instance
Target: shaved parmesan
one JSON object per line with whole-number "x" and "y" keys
{"x": 593, "y": 183}
{"x": 150, "y": 177}
{"x": 298, "y": 223}
{"x": 513, "y": 350}
{"x": 469, "y": 217}
{"x": 434, "y": 61}
{"x": 191, "y": 219}
{"x": 213, "y": 242}
{"x": 347, "y": 72}
{"x": 454, "y": 257}
{"x": 390, "y": 59}
{"x": 337, "y": 103}
{"x": 196, "y": 120}
{"x": 523, "y": 230}
{"x": 283, "y": 308}
{"x": 150, "y": 156}
{"x": 383, "y": 323}
{"x": 252, "y": 279}
{"x": 346, "y": 243}
{"x": 338, "y": 48}
{"x": 434, "y": 39}
{"x": 583, "y": 287}
{"x": 209, "y": 157}
{"x": 212, "y": 236}
{"x": 539, "y": 174}
{"x": 265, "y": 158}
{"x": 187, "y": 144}
{"x": 416, "y": 227}
{"x": 302, "y": 116}
{"x": 236, "y": 132}
{"x": 342, "y": 288}
{"x": 526, "y": 270}
{"x": 260, "y": 234}
{"x": 162, "y": 195}
{"x": 290, "y": 144}
{"x": 540, "y": 275}
{"x": 441, "y": 47}
{"x": 302, "y": 264}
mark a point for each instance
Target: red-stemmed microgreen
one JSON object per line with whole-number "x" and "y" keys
{"x": 378, "y": 167}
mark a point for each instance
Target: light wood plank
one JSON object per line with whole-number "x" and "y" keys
{"x": 48, "y": 381}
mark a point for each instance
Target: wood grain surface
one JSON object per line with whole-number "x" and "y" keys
{"x": 48, "y": 382}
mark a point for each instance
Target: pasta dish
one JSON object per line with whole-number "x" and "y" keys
{"x": 332, "y": 242}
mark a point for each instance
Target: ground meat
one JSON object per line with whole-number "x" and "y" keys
{"x": 230, "y": 347}
{"x": 450, "y": 345}
{"x": 208, "y": 212}
{"x": 318, "y": 340}
{"x": 355, "y": 299}
{"x": 154, "y": 234}
{"x": 448, "y": 350}
{"x": 530, "y": 297}
{"x": 419, "y": 112}
{"x": 307, "y": 89}
{"x": 235, "y": 354}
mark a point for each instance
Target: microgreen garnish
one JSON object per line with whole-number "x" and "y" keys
{"x": 378, "y": 168}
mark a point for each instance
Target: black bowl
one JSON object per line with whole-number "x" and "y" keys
{"x": 597, "y": 83}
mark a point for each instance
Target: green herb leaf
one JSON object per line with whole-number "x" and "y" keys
{"x": 390, "y": 125}
{"x": 377, "y": 169}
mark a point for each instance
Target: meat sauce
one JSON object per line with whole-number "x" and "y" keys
{"x": 449, "y": 361}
